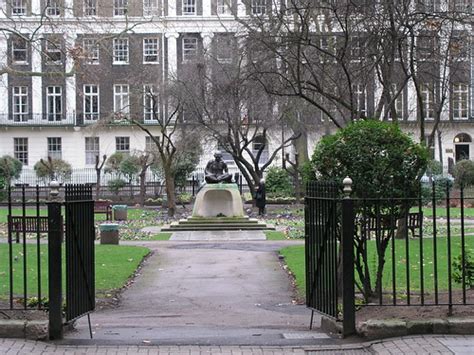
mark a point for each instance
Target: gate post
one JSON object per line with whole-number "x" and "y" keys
{"x": 347, "y": 245}
{"x": 55, "y": 265}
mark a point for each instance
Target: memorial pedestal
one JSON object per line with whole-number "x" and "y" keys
{"x": 218, "y": 200}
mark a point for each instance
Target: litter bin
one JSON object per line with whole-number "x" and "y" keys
{"x": 109, "y": 233}
{"x": 119, "y": 212}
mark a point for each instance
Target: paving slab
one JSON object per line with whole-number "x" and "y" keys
{"x": 218, "y": 236}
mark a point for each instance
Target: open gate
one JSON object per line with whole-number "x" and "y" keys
{"x": 329, "y": 267}
{"x": 73, "y": 214}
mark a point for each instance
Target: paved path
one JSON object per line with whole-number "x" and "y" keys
{"x": 200, "y": 293}
{"x": 406, "y": 345}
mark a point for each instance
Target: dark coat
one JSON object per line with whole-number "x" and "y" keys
{"x": 260, "y": 198}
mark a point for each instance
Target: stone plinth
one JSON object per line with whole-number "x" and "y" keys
{"x": 218, "y": 200}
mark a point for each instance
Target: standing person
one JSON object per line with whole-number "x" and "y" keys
{"x": 260, "y": 197}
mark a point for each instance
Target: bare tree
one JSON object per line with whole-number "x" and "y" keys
{"x": 220, "y": 94}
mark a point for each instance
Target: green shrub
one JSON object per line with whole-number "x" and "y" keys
{"x": 468, "y": 269}
{"x": 10, "y": 168}
{"x": 53, "y": 169}
{"x": 184, "y": 197}
{"x": 464, "y": 173}
{"x": 116, "y": 185}
{"x": 278, "y": 180}
{"x": 440, "y": 183}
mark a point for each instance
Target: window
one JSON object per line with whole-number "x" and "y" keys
{"x": 427, "y": 96}
{"x": 226, "y": 156}
{"x": 52, "y": 8}
{"x": 120, "y": 7}
{"x": 223, "y": 7}
{"x": 90, "y": 7}
{"x": 150, "y": 145}
{"x": 460, "y": 101}
{"x": 91, "y": 102}
{"x": 150, "y": 50}
{"x": 91, "y": 50}
{"x": 190, "y": 47}
{"x": 54, "y": 105}
{"x": 429, "y": 5}
{"x": 399, "y": 102}
{"x": 19, "y": 50}
{"x": 53, "y": 51}
{"x": 462, "y": 5}
{"x": 54, "y": 147}
{"x": 360, "y": 99}
{"x": 459, "y": 48}
{"x": 260, "y": 143}
{"x": 356, "y": 47}
{"x": 20, "y": 103}
{"x": 92, "y": 150}
{"x": 122, "y": 145}
{"x": 121, "y": 100}
{"x": 150, "y": 8}
{"x": 150, "y": 103}
{"x": 224, "y": 49}
{"x": 258, "y": 7}
{"x": 426, "y": 47}
{"x": 189, "y": 7}
{"x": 20, "y": 149}
{"x": 121, "y": 51}
{"x": 18, "y": 7}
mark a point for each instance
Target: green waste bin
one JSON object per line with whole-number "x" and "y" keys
{"x": 109, "y": 233}
{"x": 119, "y": 212}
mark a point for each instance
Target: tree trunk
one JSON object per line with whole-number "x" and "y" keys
{"x": 170, "y": 191}
{"x": 97, "y": 185}
{"x": 142, "y": 177}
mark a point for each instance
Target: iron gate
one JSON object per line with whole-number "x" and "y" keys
{"x": 80, "y": 235}
{"x": 329, "y": 224}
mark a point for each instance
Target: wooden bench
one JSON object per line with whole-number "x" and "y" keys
{"x": 103, "y": 207}
{"x": 27, "y": 224}
{"x": 385, "y": 223}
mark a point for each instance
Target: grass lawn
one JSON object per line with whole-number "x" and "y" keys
{"x": 160, "y": 236}
{"x": 294, "y": 257}
{"x": 275, "y": 235}
{"x": 114, "y": 265}
{"x": 455, "y": 212}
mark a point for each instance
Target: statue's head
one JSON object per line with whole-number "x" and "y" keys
{"x": 218, "y": 155}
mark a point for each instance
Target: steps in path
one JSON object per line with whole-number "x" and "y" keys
{"x": 217, "y": 224}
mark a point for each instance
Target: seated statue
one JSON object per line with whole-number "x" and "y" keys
{"x": 216, "y": 171}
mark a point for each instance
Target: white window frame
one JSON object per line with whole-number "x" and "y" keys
{"x": 190, "y": 48}
{"x": 91, "y": 50}
{"x": 399, "y": 102}
{"x": 121, "y": 99}
{"x": 20, "y": 109}
{"x": 151, "y": 49}
{"x": 151, "y": 108}
{"x": 55, "y": 149}
{"x": 150, "y": 145}
{"x": 188, "y": 7}
{"x": 53, "y": 8}
{"x": 16, "y": 50}
{"x": 91, "y": 102}
{"x": 150, "y": 8}
{"x": 258, "y": 7}
{"x": 20, "y": 149}
{"x": 121, "y": 51}
{"x": 223, "y": 8}
{"x": 122, "y": 144}
{"x": 224, "y": 46}
{"x": 54, "y": 103}
{"x": 53, "y": 46}
{"x": 120, "y": 7}
{"x": 360, "y": 98}
{"x": 19, "y": 7}
{"x": 428, "y": 101}
{"x": 92, "y": 149}
{"x": 90, "y": 8}
{"x": 256, "y": 144}
{"x": 460, "y": 101}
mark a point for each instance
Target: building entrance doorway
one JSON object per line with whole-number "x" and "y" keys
{"x": 462, "y": 144}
